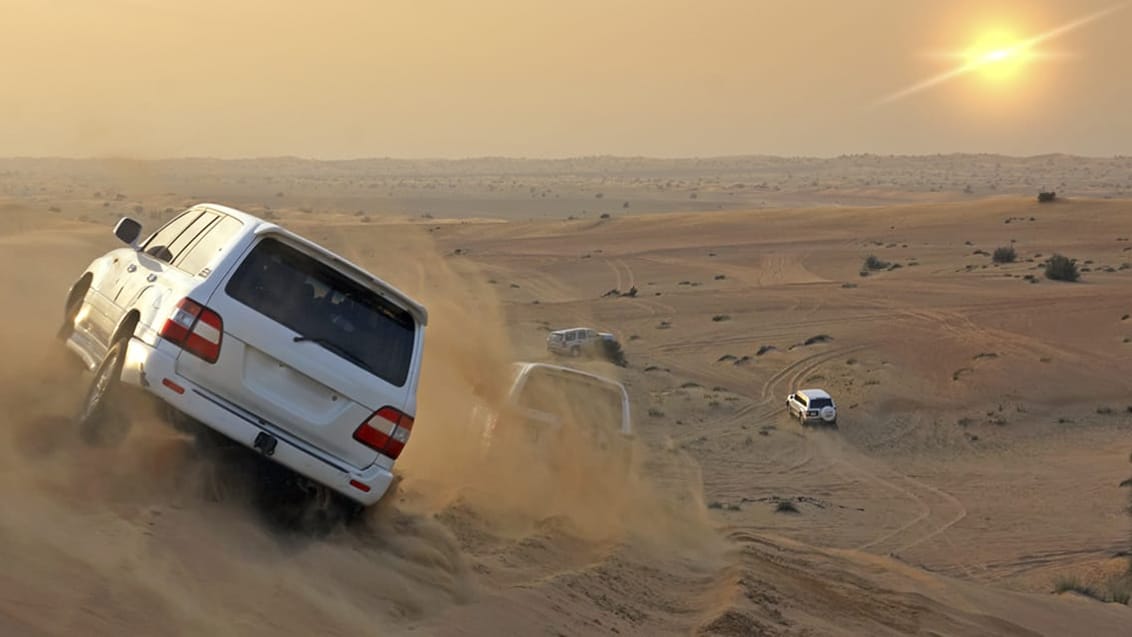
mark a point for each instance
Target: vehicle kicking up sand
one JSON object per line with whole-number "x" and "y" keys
{"x": 255, "y": 333}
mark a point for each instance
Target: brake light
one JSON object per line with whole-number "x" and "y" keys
{"x": 196, "y": 329}
{"x": 386, "y": 432}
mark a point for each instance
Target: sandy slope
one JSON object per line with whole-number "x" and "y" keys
{"x": 971, "y": 466}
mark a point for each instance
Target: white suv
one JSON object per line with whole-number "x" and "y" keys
{"x": 577, "y": 341}
{"x": 812, "y": 405}
{"x": 258, "y": 334}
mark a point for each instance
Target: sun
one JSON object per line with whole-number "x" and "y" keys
{"x": 998, "y": 57}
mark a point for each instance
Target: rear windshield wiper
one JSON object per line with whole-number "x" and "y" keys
{"x": 337, "y": 349}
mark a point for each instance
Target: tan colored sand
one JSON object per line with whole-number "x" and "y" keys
{"x": 947, "y": 502}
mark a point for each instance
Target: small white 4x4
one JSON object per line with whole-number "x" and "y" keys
{"x": 258, "y": 334}
{"x": 812, "y": 405}
{"x": 577, "y": 341}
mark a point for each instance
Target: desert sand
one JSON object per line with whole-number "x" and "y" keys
{"x": 985, "y": 421}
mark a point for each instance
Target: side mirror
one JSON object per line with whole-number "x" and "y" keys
{"x": 127, "y": 230}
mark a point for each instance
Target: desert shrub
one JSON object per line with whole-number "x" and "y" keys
{"x": 1005, "y": 254}
{"x": 719, "y": 318}
{"x": 1061, "y": 268}
{"x": 786, "y": 506}
{"x": 1120, "y": 595}
{"x": 872, "y": 262}
{"x": 1066, "y": 584}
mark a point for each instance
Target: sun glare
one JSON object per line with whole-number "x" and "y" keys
{"x": 997, "y": 57}
{"x": 1000, "y": 57}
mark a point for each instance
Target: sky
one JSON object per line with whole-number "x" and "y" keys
{"x": 537, "y": 78}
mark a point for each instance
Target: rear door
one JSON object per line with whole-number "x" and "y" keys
{"x": 309, "y": 349}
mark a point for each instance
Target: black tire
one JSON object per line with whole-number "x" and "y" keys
{"x": 101, "y": 419}
{"x": 293, "y": 504}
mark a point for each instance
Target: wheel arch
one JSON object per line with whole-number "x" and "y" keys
{"x": 80, "y": 287}
{"x": 126, "y": 326}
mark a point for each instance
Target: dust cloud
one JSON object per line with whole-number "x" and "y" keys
{"x": 153, "y": 537}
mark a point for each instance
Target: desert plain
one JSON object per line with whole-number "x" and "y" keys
{"x": 971, "y": 487}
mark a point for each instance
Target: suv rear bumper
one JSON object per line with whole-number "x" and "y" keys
{"x": 154, "y": 370}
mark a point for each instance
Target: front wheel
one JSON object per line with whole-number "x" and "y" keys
{"x": 101, "y": 421}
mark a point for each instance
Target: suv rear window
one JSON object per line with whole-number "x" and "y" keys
{"x": 325, "y": 306}
{"x": 818, "y": 403}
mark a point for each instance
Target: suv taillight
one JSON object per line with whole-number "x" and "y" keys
{"x": 196, "y": 329}
{"x": 386, "y": 432}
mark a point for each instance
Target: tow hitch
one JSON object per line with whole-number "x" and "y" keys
{"x": 265, "y": 443}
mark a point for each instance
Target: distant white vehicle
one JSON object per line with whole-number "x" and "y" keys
{"x": 544, "y": 399}
{"x": 255, "y": 333}
{"x": 812, "y": 405}
{"x": 577, "y": 341}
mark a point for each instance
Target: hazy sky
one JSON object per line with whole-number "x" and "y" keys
{"x": 541, "y": 78}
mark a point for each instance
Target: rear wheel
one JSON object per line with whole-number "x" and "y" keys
{"x": 101, "y": 420}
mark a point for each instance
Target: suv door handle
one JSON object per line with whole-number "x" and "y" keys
{"x": 131, "y": 267}
{"x": 151, "y": 278}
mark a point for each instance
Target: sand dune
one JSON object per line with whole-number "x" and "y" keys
{"x": 984, "y": 431}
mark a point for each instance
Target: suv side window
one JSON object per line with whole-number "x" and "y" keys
{"x": 186, "y": 238}
{"x": 158, "y": 245}
{"x": 200, "y": 255}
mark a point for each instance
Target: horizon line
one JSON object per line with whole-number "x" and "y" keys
{"x": 559, "y": 158}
